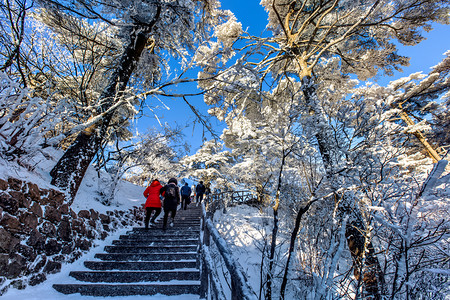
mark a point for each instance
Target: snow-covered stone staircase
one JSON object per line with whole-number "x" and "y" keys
{"x": 145, "y": 262}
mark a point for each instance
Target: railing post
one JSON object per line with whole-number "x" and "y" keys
{"x": 204, "y": 278}
{"x": 224, "y": 202}
{"x": 205, "y": 242}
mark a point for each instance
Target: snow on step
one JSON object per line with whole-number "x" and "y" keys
{"x": 151, "y": 249}
{"x": 141, "y": 265}
{"x": 146, "y": 256}
{"x": 152, "y": 242}
{"x": 144, "y": 262}
{"x": 135, "y": 276}
{"x": 128, "y": 289}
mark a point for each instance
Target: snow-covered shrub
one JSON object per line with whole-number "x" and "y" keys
{"x": 26, "y": 122}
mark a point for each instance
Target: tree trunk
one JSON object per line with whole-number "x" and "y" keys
{"x": 262, "y": 196}
{"x": 365, "y": 261}
{"x": 300, "y": 214}
{"x": 272, "y": 249}
{"x": 363, "y": 253}
{"x": 323, "y": 134}
{"x": 70, "y": 169}
{"x": 419, "y": 135}
{"x": 273, "y": 244}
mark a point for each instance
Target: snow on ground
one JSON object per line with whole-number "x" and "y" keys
{"x": 36, "y": 169}
{"x": 127, "y": 194}
{"x": 245, "y": 229}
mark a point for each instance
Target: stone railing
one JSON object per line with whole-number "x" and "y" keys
{"x": 39, "y": 231}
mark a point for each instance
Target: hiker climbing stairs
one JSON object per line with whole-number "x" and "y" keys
{"x": 145, "y": 262}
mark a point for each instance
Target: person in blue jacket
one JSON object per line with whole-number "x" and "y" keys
{"x": 185, "y": 195}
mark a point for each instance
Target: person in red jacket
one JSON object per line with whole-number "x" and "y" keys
{"x": 153, "y": 202}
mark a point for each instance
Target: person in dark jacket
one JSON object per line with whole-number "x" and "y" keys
{"x": 200, "y": 191}
{"x": 207, "y": 193}
{"x": 185, "y": 195}
{"x": 171, "y": 194}
{"x": 153, "y": 203}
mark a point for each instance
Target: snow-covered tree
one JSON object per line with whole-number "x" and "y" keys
{"x": 209, "y": 164}
{"x": 441, "y": 116}
{"x": 26, "y": 122}
{"x": 348, "y": 37}
{"x": 381, "y": 172}
{"x": 14, "y": 39}
{"x": 147, "y": 157}
{"x": 148, "y": 31}
{"x": 79, "y": 61}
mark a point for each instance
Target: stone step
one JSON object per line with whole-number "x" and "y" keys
{"x": 154, "y": 242}
{"x": 145, "y": 262}
{"x": 180, "y": 217}
{"x": 105, "y": 290}
{"x": 182, "y": 220}
{"x": 179, "y": 221}
{"x": 170, "y": 230}
{"x": 177, "y": 227}
{"x": 136, "y": 276}
{"x": 151, "y": 249}
{"x": 188, "y": 213}
{"x": 153, "y": 235}
{"x": 141, "y": 265}
{"x": 146, "y": 256}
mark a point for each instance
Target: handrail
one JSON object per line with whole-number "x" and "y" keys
{"x": 209, "y": 274}
{"x": 223, "y": 199}
{"x": 235, "y": 196}
{"x": 240, "y": 289}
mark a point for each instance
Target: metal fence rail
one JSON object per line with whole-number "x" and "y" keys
{"x": 225, "y": 199}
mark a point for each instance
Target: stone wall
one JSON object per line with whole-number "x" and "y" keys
{"x": 39, "y": 231}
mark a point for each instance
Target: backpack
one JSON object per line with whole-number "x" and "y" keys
{"x": 171, "y": 192}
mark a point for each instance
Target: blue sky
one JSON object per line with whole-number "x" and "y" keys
{"x": 254, "y": 19}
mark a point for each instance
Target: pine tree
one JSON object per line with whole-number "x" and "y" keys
{"x": 360, "y": 37}
{"x": 143, "y": 26}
